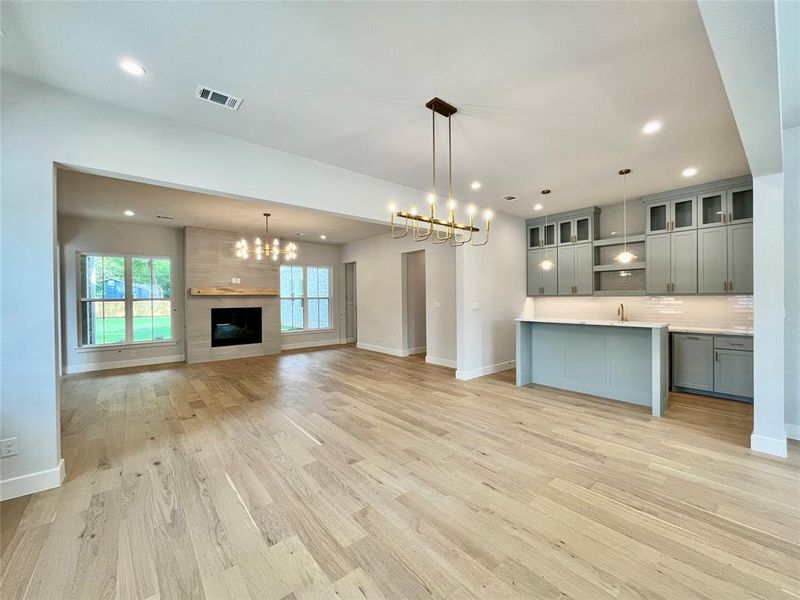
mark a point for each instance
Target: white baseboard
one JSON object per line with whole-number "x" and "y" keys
{"x": 382, "y": 349}
{"x": 768, "y": 445}
{"x": 350, "y": 341}
{"x": 299, "y": 345}
{"x": 482, "y": 371}
{"x": 33, "y": 482}
{"x": 442, "y": 362}
{"x": 123, "y": 364}
{"x": 418, "y": 350}
{"x": 793, "y": 431}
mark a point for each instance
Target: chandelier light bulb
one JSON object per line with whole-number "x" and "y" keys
{"x": 451, "y": 204}
{"x": 488, "y": 215}
{"x": 392, "y": 207}
{"x": 471, "y": 210}
{"x": 431, "y": 198}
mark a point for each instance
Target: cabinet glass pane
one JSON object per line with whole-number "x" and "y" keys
{"x": 565, "y": 231}
{"x": 550, "y": 235}
{"x": 534, "y": 237}
{"x": 582, "y": 230}
{"x": 742, "y": 202}
{"x": 658, "y": 218}
{"x": 683, "y": 213}
{"x": 711, "y": 209}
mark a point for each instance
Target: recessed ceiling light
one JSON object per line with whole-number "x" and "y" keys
{"x": 509, "y": 198}
{"x": 131, "y": 67}
{"x": 689, "y": 172}
{"x": 651, "y": 127}
{"x": 476, "y": 185}
{"x": 537, "y": 207}
{"x": 323, "y": 237}
{"x": 129, "y": 213}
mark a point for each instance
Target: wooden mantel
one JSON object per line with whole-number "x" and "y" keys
{"x": 232, "y": 291}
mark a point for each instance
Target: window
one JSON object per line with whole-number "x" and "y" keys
{"x": 305, "y": 298}
{"x": 124, "y": 299}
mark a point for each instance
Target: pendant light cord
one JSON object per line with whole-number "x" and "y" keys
{"x": 624, "y": 213}
{"x": 433, "y": 129}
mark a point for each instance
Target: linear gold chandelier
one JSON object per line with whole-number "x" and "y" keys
{"x": 265, "y": 250}
{"x": 424, "y": 227}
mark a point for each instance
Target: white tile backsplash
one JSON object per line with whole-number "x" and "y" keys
{"x": 723, "y": 312}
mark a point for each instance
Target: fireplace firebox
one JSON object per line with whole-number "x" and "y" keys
{"x": 235, "y": 326}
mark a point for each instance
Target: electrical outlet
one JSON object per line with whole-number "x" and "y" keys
{"x": 8, "y": 447}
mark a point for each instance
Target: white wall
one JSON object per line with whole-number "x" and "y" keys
{"x": 791, "y": 191}
{"x": 491, "y": 293}
{"x": 113, "y": 237}
{"x": 41, "y": 127}
{"x": 379, "y": 296}
{"x": 320, "y": 255}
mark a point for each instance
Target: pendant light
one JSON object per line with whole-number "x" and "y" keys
{"x": 625, "y": 256}
{"x": 263, "y": 250}
{"x": 546, "y": 263}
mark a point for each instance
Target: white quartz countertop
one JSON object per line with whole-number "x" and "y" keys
{"x": 600, "y": 322}
{"x": 710, "y": 330}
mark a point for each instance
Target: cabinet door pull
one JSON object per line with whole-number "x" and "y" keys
{"x": 716, "y": 356}
{"x": 730, "y": 286}
{"x": 730, "y": 217}
{"x": 724, "y": 217}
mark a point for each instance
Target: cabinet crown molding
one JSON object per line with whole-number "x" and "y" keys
{"x": 702, "y": 188}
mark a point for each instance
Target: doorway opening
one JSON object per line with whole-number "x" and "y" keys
{"x": 350, "y": 305}
{"x": 414, "y": 298}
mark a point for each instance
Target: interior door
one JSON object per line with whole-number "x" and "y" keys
{"x": 683, "y": 262}
{"x": 350, "y": 302}
{"x": 712, "y": 260}
{"x": 740, "y": 258}
{"x": 566, "y": 270}
{"x": 658, "y": 259}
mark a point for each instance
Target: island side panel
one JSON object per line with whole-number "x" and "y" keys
{"x": 660, "y": 367}
{"x": 524, "y": 363}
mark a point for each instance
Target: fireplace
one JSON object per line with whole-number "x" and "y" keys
{"x": 235, "y": 326}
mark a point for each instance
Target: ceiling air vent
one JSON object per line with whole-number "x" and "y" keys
{"x": 215, "y": 96}
{"x": 165, "y": 217}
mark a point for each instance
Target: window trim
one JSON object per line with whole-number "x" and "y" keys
{"x": 128, "y": 264}
{"x": 304, "y": 297}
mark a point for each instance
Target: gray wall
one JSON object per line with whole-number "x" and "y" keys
{"x": 77, "y": 235}
{"x": 791, "y": 198}
{"x": 210, "y": 261}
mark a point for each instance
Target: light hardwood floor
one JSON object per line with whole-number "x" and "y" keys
{"x": 344, "y": 473}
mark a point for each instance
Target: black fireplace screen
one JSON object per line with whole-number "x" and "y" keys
{"x": 235, "y": 326}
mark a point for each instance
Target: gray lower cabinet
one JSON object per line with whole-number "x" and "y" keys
{"x": 693, "y": 361}
{"x": 671, "y": 260}
{"x": 575, "y": 269}
{"x": 733, "y": 372}
{"x": 719, "y": 365}
{"x": 541, "y": 282}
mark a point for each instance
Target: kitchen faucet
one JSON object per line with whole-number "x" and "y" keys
{"x": 621, "y": 313}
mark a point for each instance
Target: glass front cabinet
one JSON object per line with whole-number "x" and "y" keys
{"x": 577, "y": 230}
{"x": 726, "y": 207}
{"x": 672, "y": 215}
{"x": 541, "y": 235}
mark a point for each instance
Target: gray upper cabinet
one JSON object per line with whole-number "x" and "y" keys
{"x": 692, "y": 363}
{"x": 671, "y": 261}
{"x": 576, "y": 230}
{"x": 658, "y": 269}
{"x": 712, "y": 261}
{"x": 740, "y": 258}
{"x": 541, "y": 235}
{"x": 683, "y": 262}
{"x": 677, "y": 214}
{"x": 541, "y": 282}
{"x": 566, "y": 270}
{"x": 575, "y": 270}
{"x": 713, "y": 209}
{"x": 740, "y": 205}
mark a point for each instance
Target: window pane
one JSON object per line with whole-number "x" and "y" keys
{"x": 113, "y": 323}
{"x": 286, "y": 284}
{"x": 324, "y": 320}
{"x": 113, "y": 278}
{"x": 91, "y": 322}
{"x": 312, "y": 282}
{"x": 297, "y": 282}
{"x": 286, "y": 313}
{"x": 313, "y": 314}
{"x": 162, "y": 283}
{"x": 142, "y": 278}
{"x": 91, "y": 277}
{"x": 324, "y": 275}
{"x": 162, "y": 320}
{"x": 297, "y": 314}
{"x": 142, "y": 321}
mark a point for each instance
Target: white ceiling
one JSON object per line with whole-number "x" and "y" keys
{"x": 550, "y": 94}
{"x": 95, "y": 197}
